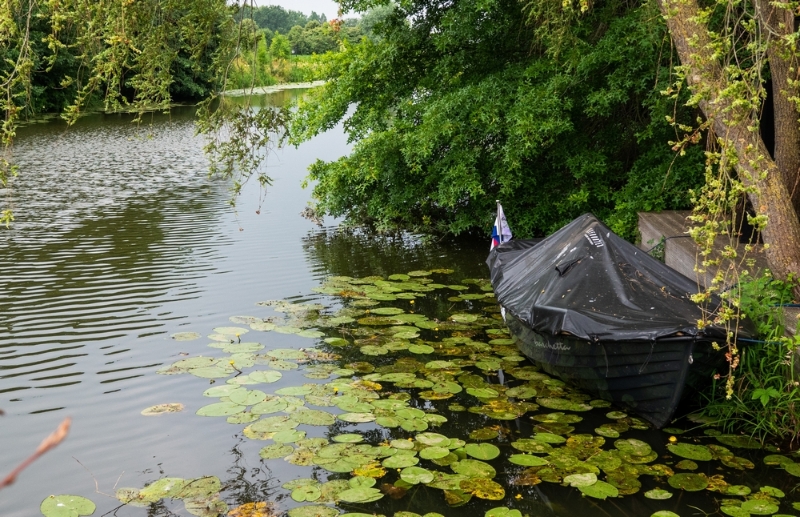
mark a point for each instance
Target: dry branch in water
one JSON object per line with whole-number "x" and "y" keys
{"x": 48, "y": 443}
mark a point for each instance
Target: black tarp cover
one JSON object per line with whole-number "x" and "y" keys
{"x": 586, "y": 281}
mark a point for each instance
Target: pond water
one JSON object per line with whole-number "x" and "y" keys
{"x": 125, "y": 265}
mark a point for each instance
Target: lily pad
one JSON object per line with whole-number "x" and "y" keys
{"x": 276, "y": 451}
{"x": 759, "y": 507}
{"x": 221, "y": 409}
{"x": 483, "y": 488}
{"x": 743, "y": 442}
{"x": 360, "y": 495}
{"x": 482, "y": 451}
{"x": 600, "y": 490}
{"x": 313, "y": 511}
{"x": 527, "y": 460}
{"x": 160, "y": 409}
{"x": 66, "y": 506}
{"x": 658, "y": 494}
{"x": 185, "y": 336}
{"x": 306, "y": 493}
{"x": 688, "y": 482}
{"x": 474, "y": 468}
{"x": 416, "y": 475}
{"x": 690, "y": 451}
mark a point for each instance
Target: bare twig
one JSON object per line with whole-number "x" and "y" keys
{"x": 48, "y": 443}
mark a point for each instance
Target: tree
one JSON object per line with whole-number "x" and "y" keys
{"x": 280, "y": 48}
{"x": 456, "y": 104}
{"x": 134, "y": 57}
{"x": 725, "y": 50}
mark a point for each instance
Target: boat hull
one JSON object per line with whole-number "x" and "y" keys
{"x": 647, "y": 378}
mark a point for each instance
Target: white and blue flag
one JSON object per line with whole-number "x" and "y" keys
{"x": 500, "y": 232}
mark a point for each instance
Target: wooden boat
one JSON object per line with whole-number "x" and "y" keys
{"x": 603, "y": 315}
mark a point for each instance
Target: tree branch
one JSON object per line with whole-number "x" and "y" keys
{"x": 48, "y": 443}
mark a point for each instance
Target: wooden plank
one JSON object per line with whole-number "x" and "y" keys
{"x": 680, "y": 253}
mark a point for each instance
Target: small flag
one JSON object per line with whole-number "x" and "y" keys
{"x": 500, "y": 232}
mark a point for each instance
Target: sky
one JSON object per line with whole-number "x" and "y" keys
{"x": 328, "y": 7}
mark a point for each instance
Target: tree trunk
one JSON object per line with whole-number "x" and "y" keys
{"x": 779, "y": 23}
{"x": 755, "y": 166}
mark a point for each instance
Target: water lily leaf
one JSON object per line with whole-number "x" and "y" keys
{"x": 399, "y": 462}
{"x": 185, "y": 336}
{"x": 484, "y": 433}
{"x": 483, "y": 392}
{"x": 418, "y": 273}
{"x": 360, "y": 495}
{"x": 600, "y": 490}
{"x": 306, "y": 493}
{"x": 579, "y": 480}
{"x": 356, "y": 418}
{"x": 759, "y": 507}
{"x": 416, "y": 475}
{"x": 221, "y": 409}
{"x": 743, "y": 442}
{"x": 262, "y": 326}
{"x": 434, "y": 453}
{"x": 273, "y": 424}
{"x": 658, "y": 494}
{"x": 247, "y": 397}
{"x": 160, "y": 409}
{"x": 686, "y": 465}
{"x": 562, "y": 404}
{"x": 549, "y": 438}
{"x": 734, "y": 511}
{"x": 348, "y": 438}
{"x": 474, "y": 469}
{"x": 132, "y": 497}
{"x": 256, "y": 509}
{"x": 483, "y": 488}
{"x": 482, "y": 451}
{"x": 66, "y": 506}
{"x": 690, "y": 451}
{"x": 313, "y": 417}
{"x": 527, "y": 460}
{"x": 772, "y": 491}
{"x": 776, "y": 459}
{"x": 313, "y": 511}
{"x": 737, "y": 462}
{"x": 688, "y": 482}
{"x": 633, "y": 446}
{"x": 164, "y": 487}
{"x": 272, "y": 405}
{"x": 464, "y": 318}
{"x": 792, "y": 468}
{"x": 531, "y": 445}
{"x": 738, "y": 490}
{"x": 420, "y": 349}
{"x": 288, "y": 436}
{"x": 274, "y": 451}
{"x": 665, "y": 513}
{"x": 212, "y": 372}
{"x": 257, "y": 377}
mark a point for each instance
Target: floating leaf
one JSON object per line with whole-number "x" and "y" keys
{"x": 600, "y": 490}
{"x": 743, "y": 442}
{"x": 185, "y": 336}
{"x": 688, "y": 482}
{"x": 482, "y": 451}
{"x": 360, "y": 495}
{"x": 483, "y": 488}
{"x": 231, "y": 331}
{"x": 313, "y": 417}
{"x": 665, "y": 513}
{"x": 66, "y": 506}
{"x": 276, "y": 451}
{"x": 306, "y": 493}
{"x": 221, "y": 409}
{"x": 690, "y": 451}
{"x": 579, "y": 480}
{"x": 400, "y": 461}
{"x": 502, "y": 511}
{"x": 474, "y": 468}
{"x": 527, "y": 460}
{"x": 160, "y": 409}
{"x": 416, "y": 475}
{"x": 759, "y": 507}
{"x": 772, "y": 491}
{"x": 658, "y": 494}
{"x": 257, "y": 509}
{"x": 313, "y": 511}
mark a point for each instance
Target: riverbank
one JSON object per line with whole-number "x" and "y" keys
{"x": 265, "y": 90}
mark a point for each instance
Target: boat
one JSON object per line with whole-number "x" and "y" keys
{"x": 596, "y": 311}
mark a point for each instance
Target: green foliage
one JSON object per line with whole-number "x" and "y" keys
{"x": 318, "y": 38}
{"x": 280, "y": 48}
{"x": 456, "y": 105}
{"x": 277, "y": 19}
{"x": 765, "y": 397}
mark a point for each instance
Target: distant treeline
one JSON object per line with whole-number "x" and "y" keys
{"x": 312, "y": 34}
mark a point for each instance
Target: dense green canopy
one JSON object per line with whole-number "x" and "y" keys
{"x": 458, "y": 104}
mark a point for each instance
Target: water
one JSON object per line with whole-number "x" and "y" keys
{"x": 121, "y": 240}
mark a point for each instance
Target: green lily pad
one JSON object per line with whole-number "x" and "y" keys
{"x": 690, "y": 451}
{"x": 400, "y": 461}
{"x": 416, "y": 475}
{"x": 246, "y": 397}
{"x": 474, "y": 469}
{"x": 549, "y": 438}
{"x": 434, "y": 453}
{"x": 313, "y": 511}
{"x": 313, "y": 417}
{"x": 759, "y": 507}
{"x": 743, "y": 442}
{"x": 221, "y": 409}
{"x": 665, "y": 513}
{"x": 772, "y": 491}
{"x": 360, "y": 495}
{"x": 600, "y": 490}
{"x": 686, "y": 465}
{"x": 348, "y": 438}
{"x": 306, "y": 493}
{"x": 185, "y": 336}
{"x": 160, "y": 409}
{"x": 579, "y": 480}
{"x": 356, "y": 418}
{"x": 688, "y": 482}
{"x": 737, "y": 490}
{"x": 66, "y": 506}
{"x": 792, "y": 468}
{"x": 527, "y": 460}
{"x": 276, "y": 451}
{"x": 502, "y": 511}
{"x": 482, "y": 451}
{"x": 634, "y": 447}
{"x": 231, "y": 331}
{"x": 658, "y": 494}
